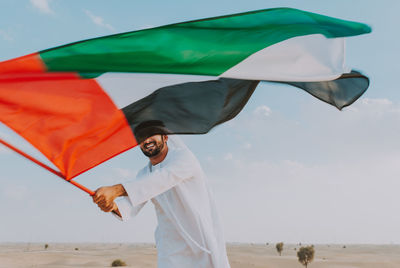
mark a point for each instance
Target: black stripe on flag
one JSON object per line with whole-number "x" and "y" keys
{"x": 191, "y": 108}
{"x": 340, "y": 92}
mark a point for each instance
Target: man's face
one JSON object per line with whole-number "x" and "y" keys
{"x": 153, "y": 145}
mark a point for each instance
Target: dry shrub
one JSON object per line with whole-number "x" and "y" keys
{"x": 117, "y": 263}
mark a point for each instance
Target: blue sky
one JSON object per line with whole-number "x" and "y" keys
{"x": 288, "y": 168}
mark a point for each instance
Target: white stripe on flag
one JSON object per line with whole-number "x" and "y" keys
{"x": 304, "y": 59}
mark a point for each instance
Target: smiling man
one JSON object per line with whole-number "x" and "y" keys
{"x": 189, "y": 233}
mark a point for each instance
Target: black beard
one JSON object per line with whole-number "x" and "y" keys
{"x": 155, "y": 151}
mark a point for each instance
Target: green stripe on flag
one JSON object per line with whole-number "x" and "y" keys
{"x": 204, "y": 47}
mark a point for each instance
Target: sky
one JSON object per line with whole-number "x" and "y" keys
{"x": 288, "y": 168}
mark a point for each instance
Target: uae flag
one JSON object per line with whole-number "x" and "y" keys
{"x": 82, "y": 103}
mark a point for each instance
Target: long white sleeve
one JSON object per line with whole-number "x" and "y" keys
{"x": 126, "y": 208}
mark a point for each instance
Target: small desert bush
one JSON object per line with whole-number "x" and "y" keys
{"x": 117, "y": 263}
{"x": 279, "y": 248}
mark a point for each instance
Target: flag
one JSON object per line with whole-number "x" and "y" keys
{"x": 79, "y": 104}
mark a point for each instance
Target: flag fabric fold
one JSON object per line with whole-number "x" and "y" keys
{"x": 79, "y": 104}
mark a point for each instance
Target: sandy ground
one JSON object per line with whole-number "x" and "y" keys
{"x": 240, "y": 255}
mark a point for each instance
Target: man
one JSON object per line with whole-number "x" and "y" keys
{"x": 189, "y": 233}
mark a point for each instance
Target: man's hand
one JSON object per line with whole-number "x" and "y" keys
{"x": 104, "y": 197}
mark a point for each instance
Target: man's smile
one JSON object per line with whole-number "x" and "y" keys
{"x": 150, "y": 145}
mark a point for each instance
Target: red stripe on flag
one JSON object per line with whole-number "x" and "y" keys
{"x": 72, "y": 121}
{"x": 31, "y": 63}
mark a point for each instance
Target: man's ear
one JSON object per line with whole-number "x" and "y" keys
{"x": 165, "y": 137}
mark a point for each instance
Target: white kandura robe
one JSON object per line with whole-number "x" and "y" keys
{"x": 189, "y": 233}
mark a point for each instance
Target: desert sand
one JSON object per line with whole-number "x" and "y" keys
{"x": 23, "y": 255}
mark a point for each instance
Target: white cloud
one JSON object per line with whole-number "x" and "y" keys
{"x": 376, "y": 102}
{"x": 262, "y": 111}
{"x": 42, "y": 5}
{"x": 373, "y": 107}
{"x": 98, "y": 20}
{"x": 377, "y": 107}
